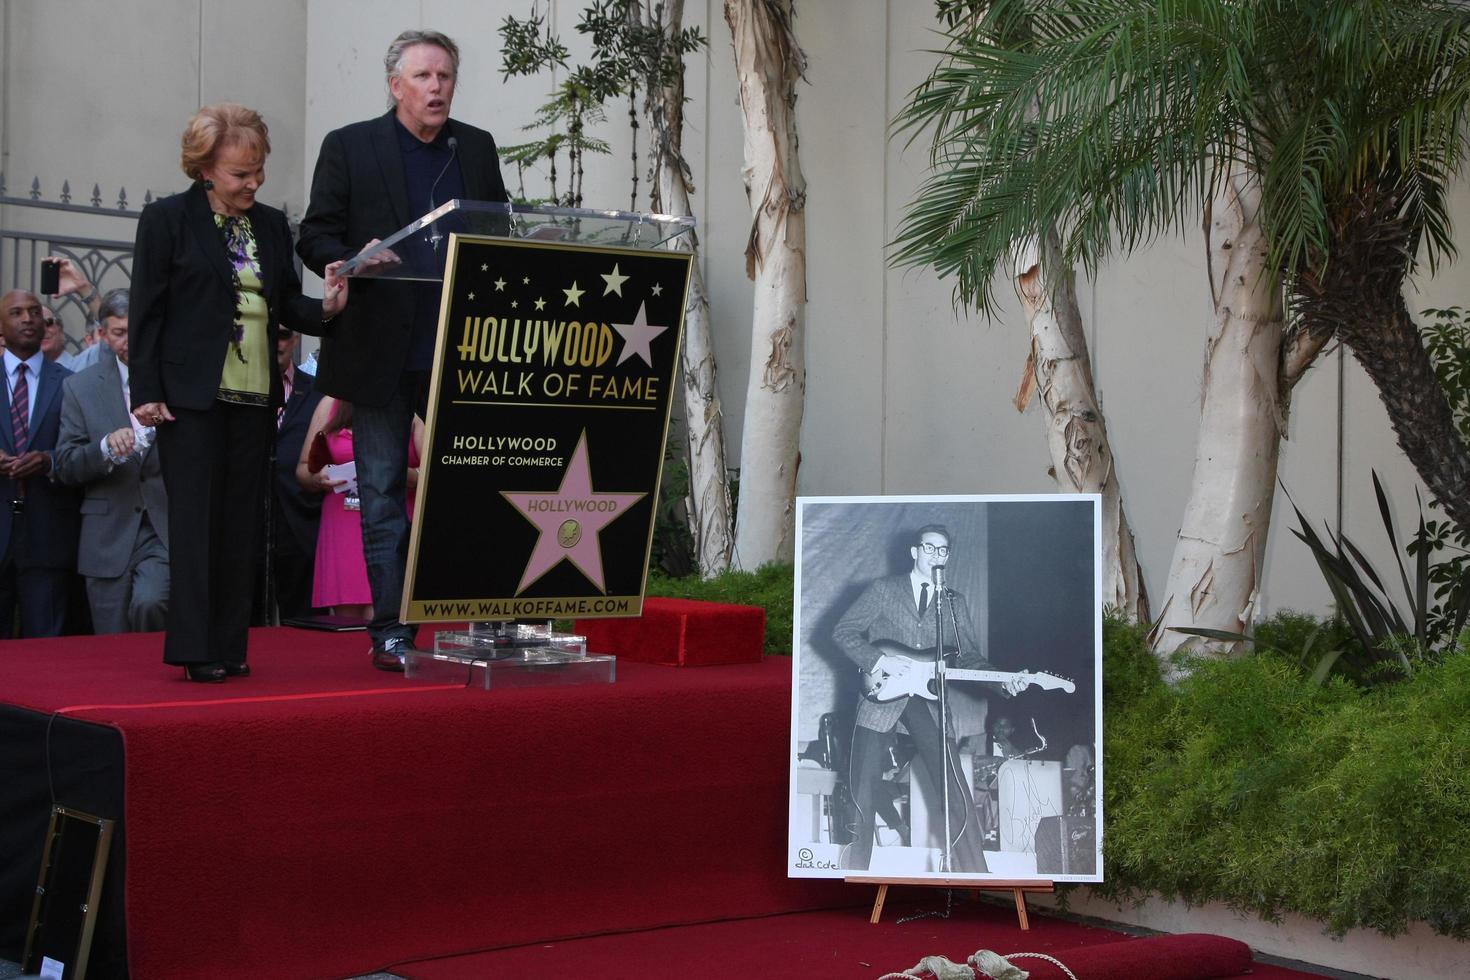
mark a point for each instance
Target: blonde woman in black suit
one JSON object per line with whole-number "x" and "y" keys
{"x": 212, "y": 276}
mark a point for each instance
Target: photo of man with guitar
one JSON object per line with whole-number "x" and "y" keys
{"x": 890, "y": 632}
{"x": 917, "y": 619}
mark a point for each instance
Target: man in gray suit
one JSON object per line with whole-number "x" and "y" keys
{"x": 124, "y": 537}
{"x": 890, "y": 632}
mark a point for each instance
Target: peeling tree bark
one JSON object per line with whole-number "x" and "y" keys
{"x": 672, "y": 183}
{"x": 768, "y": 64}
{"x": 1215, "y": 574}
{"x": 1059, "y": 371}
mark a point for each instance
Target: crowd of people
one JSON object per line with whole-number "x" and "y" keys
{"x": 147, "y": 471}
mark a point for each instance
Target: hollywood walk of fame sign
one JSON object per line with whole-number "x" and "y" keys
{"x": 544, "y": 443}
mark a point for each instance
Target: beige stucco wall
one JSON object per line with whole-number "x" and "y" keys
{"x": 904, "y": 396}
{"x": 97, "y": 91}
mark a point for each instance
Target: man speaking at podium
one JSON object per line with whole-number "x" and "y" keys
{"x": 372, "y": 178}
{"x": 894, "y": 615}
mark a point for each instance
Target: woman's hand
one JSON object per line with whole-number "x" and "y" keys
{"x": 334, "y": 295}
{"x": 153, "y": 413}
{"x": 324, "y": 481}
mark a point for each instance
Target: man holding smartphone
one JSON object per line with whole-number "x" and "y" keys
{"x": 60, "y": 277}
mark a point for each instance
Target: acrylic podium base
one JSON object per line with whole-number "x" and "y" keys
{"x": 508, "y": 654}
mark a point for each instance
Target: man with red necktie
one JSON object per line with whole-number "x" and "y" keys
{"x": 39, "y": 519}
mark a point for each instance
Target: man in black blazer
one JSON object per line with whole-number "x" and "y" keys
{"x": 38, "y": 518}
{"x": 372, "y": 178}
{"x": 298, "y": 513}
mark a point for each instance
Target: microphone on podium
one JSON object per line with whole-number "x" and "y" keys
{"x": 434, "y": 237}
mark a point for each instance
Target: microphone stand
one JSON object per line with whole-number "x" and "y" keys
{"x": 434, "y": 237}
{"x": 941, "y": 605}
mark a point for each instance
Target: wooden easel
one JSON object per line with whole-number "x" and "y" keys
{"x": 1018, "y": 889}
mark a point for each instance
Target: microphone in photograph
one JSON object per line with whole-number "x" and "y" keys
{"x": 434, "y": 237}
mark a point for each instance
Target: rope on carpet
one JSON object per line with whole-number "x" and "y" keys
{"x": 983, "y": 963}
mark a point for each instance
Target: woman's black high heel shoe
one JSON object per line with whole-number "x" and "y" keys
{"x": 212, "y": 673}
{"x": 236, "y": 670}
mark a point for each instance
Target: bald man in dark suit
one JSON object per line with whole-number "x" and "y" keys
{"x": 38, "y": 517}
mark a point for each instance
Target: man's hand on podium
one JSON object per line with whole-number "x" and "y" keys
{"x": 379, "y": 263}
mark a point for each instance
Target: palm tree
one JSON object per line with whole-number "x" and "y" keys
{"x": 1325, "y": 128}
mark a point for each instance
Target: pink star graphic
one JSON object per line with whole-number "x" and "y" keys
{"x": 636, "y": 336}
{"x": 569, "y": 520}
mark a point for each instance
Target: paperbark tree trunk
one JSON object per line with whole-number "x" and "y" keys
{"x": 1215, "y": 574}
{"x": 671, "y": 185}
{"x": 1059, "y": 370}
{"x": 768, "y": 64}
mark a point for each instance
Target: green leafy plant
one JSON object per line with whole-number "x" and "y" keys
{"x": 1240, "y": 784}
{"x": 772, "y": 587}
{"x": 528, "y": 47}
{"x": 673, "y": 545}
{"x": 629, "y": 52}
{"x": 1362, "y": 600}
{"x": 1382, "y": 643}
{"x": 1446, "y": 335}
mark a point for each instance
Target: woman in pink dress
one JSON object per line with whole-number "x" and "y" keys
{"x": 340, "y": 582}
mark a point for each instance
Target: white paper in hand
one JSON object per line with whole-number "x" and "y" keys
{"x": 343, "y": 471}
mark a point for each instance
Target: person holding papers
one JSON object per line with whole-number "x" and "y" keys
{"x": 327, "y": 465}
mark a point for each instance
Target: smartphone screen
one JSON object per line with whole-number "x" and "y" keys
{"x": 50, "y": 276}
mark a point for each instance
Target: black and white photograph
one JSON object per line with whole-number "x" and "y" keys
{"x": 947, "y": 710}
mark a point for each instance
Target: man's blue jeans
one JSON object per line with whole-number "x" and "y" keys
{"x": 380, "y": 437}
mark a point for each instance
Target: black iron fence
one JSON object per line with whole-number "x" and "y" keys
{"x": 97, "y": 237}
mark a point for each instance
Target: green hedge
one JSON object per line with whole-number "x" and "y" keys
{"x": 1246, "y": 785}
{"x": 770, "y": 587}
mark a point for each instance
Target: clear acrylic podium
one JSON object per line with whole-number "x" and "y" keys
{"x": 389, "y": 259}
{"x": 508, "y": 653}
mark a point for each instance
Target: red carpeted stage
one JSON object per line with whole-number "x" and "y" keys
{"x": 321, "y": 818}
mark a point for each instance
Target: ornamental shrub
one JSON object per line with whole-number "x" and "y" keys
{"x": 1248, "y": 785}
{"x": 772, "y": 587}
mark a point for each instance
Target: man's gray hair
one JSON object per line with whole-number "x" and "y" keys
{"x": 393, "y": 60}
{"x": 114, "y": 303}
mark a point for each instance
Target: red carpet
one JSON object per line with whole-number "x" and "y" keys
{"x": 321, "y": 819}
{"x": 837, "y": 945}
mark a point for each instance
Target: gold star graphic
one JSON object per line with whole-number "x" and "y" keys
{"x": 472, "y": 295}
{"x": 614, "y": 282}
{"x": 657, "y": 289}
{"x": 540, "y": 303}
{"x": 574, "y": 295}
{"x": 500, "y": 285}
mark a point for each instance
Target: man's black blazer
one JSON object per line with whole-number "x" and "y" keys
{"x": 300, "y": 509}
{"x": 182, "y": 306}
{"x": 358, "y": 193}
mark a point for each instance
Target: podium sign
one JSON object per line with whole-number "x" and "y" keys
{"x": 548, "y": 409}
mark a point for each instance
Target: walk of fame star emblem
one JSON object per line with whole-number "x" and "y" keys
{"x": 568, "y": 520}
